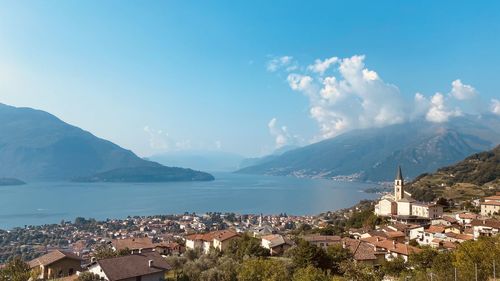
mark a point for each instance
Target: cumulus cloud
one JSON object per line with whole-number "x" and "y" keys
{"x": 284, "y": 62}
{"x": 461, "y": 91}
{"x": 438, "y": 111}
{"x": 351, "y": 96}
{"x": 320, "y": 66}
{"x": 495, "y": 106}
{"x": 280, "y": 133}
{"x": 356, "y": 98}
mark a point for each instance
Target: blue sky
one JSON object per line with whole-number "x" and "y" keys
{"x": 170, "y": 75}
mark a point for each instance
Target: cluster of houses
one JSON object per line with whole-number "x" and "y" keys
{"x": 411, "y": 224}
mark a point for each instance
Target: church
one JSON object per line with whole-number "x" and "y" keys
{"x": 400, "y": 203}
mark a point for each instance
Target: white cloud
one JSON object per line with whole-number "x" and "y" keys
{"x": 356, "y": 97}
{"x": 161, "y": 141}
{"x": 461, "y": 91}
{"x": 278, "y": 63}
{"x": 299, "y": 82}
{"x": 438, "y": 111}
{"x": 158, "y": 139}
{"x": 280, "y": 133}
{"x": 495, "y": 106}
{"x": 320, "y": 66}
{"x": 218, "y": 144}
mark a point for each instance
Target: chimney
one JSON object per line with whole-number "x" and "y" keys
{"x": 394, "y": 243}
{"x": 343, "y": 244}
{"x": 150, "y": 263}
{"x": 377, "y": 239}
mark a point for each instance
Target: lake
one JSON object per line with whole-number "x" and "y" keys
{"x": 50, "y": 202}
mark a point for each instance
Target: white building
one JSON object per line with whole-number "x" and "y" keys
{"x": 491, "y": 205}
{"x": 402, "y": 204}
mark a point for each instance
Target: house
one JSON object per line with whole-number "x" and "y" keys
{"x": 149, "y": 266}
{"x": 445, "y": 220}
{"x": 386, "y": 232}
{"x": 466, "y": 218}
{"x": 216, "y": 239}
{"x": 491, "y": 205}
{"x": 56, "y": 264}
{"x": 402, "y": 204}
{"x": 263, "y": 231}
{"x": 169, "y": 248}
{"x": 134, "y": 245}
{"x": 363, "y": 252}
{"x": 392, "y": 248}
{"x": 275, "y": 243}
{"x": 458, "y": 237}
{"x": 323, "y": 241}
{"x": 487, "y": 227}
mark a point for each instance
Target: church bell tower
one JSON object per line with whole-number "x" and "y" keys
{"x": 399, "y": 192}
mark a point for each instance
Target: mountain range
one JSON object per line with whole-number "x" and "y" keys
{"x": 372, "y": 154}
{"x": 37, "y": 145}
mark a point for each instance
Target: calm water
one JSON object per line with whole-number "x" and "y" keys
{"x": 41, "y": 203}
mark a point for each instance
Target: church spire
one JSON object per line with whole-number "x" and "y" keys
{"x": 399, "y": 176}
{"x": 399, "y": 192}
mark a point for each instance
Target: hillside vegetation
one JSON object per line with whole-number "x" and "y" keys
{"x": 475, "y": 176}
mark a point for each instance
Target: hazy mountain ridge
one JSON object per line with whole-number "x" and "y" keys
{"x": 476, "y": 175}
{"x": 37, "y": 145}
{"x": 372, "y": 154}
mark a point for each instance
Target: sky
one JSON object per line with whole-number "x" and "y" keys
{"x": 247, "y": 77}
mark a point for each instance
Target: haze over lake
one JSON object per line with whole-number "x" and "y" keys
{"x": 50, "y": 202}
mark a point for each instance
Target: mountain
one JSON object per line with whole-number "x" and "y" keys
{"x": 219, "y": 161}
{"x": 247, "y": 162}
{"x": 37, "y": 145}
{"x": 10, "y": 181}
{"x": 372, "y": 154}
{"x": 147, "y": 174}
{"x": 476, "y": 176}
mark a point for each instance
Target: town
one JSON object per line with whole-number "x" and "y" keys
{"x": 375, "y": 235}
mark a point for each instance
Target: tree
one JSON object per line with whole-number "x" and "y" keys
{"x": 88, "y": 276}
{"x": 337, "y": 255}
{"x": 310, "y": 274}
{"x": 359, "y": 272}
{"x": 176, "y": 263}
{"x": 394, "y": 267}
{"x": 247, "y": 246}
{"x": 104, "y": 251}
{"x": 477, "y": 254}
{"x": 306, "y": 254}
{"x": 17, "y": 270}
{"x": 259, "y": 269}
{"x": 422, "y": 260}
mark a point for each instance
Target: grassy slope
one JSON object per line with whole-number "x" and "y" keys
{"x": 477, "y": 175}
